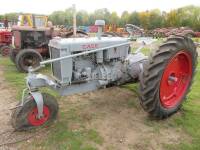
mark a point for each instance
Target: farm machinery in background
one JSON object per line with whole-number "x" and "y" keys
{"x": 129, "y": 30}
{"x": 166, "y": 32}
{"x": 85, "y": 64}
{"x": 112, "y": 30}
{"x": 30, "y": 40}
{"x": 5, "y": 42}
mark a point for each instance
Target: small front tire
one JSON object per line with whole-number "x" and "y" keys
{"x": 25, "y": 117}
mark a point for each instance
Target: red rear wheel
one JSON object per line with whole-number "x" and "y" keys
{"x": 175, "y": 79}
{"x": 167, "y": 77}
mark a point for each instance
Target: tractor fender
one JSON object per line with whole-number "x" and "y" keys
{"x": 38, "y": 98}
{"x": 35, "y": 81}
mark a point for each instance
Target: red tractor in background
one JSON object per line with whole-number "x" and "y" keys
{"x": 5, "y": 40}
{"x": 30, "y": 40}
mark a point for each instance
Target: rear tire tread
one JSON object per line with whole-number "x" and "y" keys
{"x": 149, "y": 86}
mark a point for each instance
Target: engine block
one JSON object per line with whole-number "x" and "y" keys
{"x": 94, "y": 66}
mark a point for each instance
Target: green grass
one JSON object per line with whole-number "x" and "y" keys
{"x": 63, "y": 136}
{"x": 17, "y": 79}
{"x": 196, "y": 39}
{"x": 188, "y": 121}
{"x": 60, "y": 136}
{"x": 14, "y": 78}
{"x": 144, "y": 50}
{"x": 147, "y": 48}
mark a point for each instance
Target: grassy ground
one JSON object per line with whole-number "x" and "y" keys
{"x": 189, "y": 118}
{"x": 83, "y": 139}
{"x": 78, "y": 136}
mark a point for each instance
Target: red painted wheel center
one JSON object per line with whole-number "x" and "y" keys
{"x": 175, "y": 79}
{"x": 33, "y": 116}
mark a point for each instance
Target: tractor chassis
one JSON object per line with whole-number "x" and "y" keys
{"x": 36, "y": 81}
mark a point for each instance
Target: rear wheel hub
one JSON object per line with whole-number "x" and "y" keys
{"x": 175, "y": 79}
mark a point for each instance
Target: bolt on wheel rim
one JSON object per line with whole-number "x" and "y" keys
{"x": 175, "y": 79}
{"x": 33, "y": 116}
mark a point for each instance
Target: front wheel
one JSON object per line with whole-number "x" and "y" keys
{"x": 26, "y": 58}
{"x": 167, "y": 77}
{"x": 25, "y": 117}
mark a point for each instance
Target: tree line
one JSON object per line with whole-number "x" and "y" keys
{"x": 186, "y": 16}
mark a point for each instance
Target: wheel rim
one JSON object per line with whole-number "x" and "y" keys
{"x": 175, "y": 79}
{"x": 34, "y": 120}
{"x": 29, "y": 60}
{"x": 5, "y": 51}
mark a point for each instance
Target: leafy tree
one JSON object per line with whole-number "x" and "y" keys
{"x": 155, "y": 19}
{"x": 1, "y": 17}
{"x": 124, "y": 18}
{"x": 114, "y": 18}
{"x": 12, "y": 16}
{"x": 134, "y": 18}
{"x": 102, "y": 14}
{"x": 144, "y": 19}
{"x": 82, "y": 18}
{"x": 186, "y": 16}
{"x": 58, "y": 17}
{"x": 172, "y": 19}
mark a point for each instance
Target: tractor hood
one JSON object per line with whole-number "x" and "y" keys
{"x": 82, "y": 44}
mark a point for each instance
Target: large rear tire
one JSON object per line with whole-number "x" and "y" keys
{"x": 167, "y": 77}
{"x": 25, "y": 117}
{"x": 26, "y": 58}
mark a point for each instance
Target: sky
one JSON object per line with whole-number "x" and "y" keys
{"x": 48, "y": 6}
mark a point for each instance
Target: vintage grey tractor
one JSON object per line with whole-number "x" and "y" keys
{"x": 86, "y": 64}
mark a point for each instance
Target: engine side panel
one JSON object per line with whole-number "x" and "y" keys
{"x": 106, "y": 66}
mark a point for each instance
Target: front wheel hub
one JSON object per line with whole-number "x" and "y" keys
{"x": 33, "y": 118}
{"x": 175, "y": 79}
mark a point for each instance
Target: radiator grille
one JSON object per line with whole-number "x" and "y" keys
{"x": 56, "y": 66}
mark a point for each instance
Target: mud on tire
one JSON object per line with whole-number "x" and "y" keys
{"x": 154, "y": 85}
